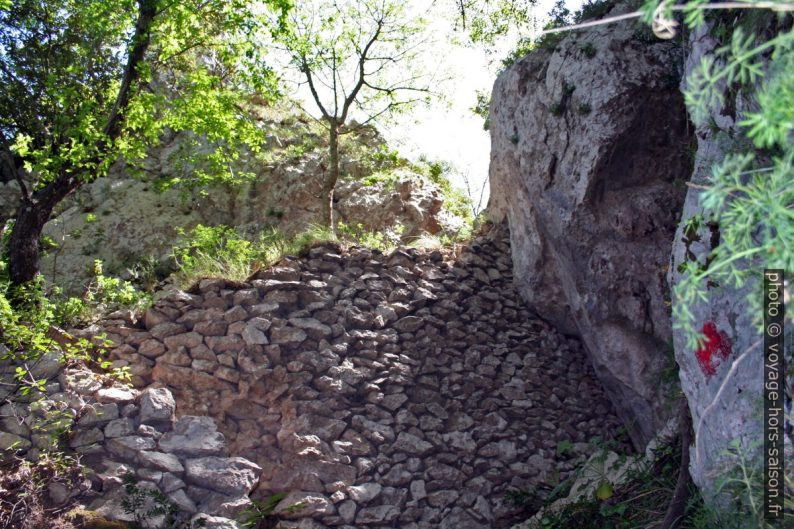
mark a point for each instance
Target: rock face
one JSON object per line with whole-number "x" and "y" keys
{"x": 725, "y": 318}
{"x": 589, "y": 155}
{"x": 411, "y": 389}
{"x": 124, "y": 220}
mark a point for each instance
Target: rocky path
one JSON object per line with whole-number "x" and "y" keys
{"x": 406, "y": 390}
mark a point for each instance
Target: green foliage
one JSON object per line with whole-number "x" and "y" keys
{"x": 589, "y": 50}
{"x": 102, "y": 295}
{"x": 145, "y": 504}
{"x": 260, "y": 513}
{"x": 358, "y": 234}
{"x": 59, "y": 55}
{"x": 24, "y": 502}
{"x": 482, "y": 108}
{"x": 387, "y": 178}
{"x": 559, "y": 17}
{"x": 524, "y": 47}
{"x": 564, "y": 448}
{"x": 221, "y": 251}
{"x": 639, "y": 502}
{"x": 215, "y": 251}
{"x": 584, "y": 108}
{"x": 593, "y": 10}
{"x": 455, "y": 200}
{"x": 741, "y": 484}
{"x": 383, "y": 156}
{"x": 489, "y": 20}
{"x": 750, "y": 193}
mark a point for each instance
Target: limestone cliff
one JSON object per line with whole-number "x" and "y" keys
{"x": 588, "y": 163}
{"x": 591, "y": 148}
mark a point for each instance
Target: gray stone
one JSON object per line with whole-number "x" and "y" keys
{"x": 189, "y": 339}
{"x": 374, "y": 431}
{"x": 213, "y": 522}
{"x": 312, "y": 326}
{"x": 47, "y": 365}
{"x": 120, "y": 428}
{"x": 58, "y": 492}
{"x": 86, "y": 437}
{"x": 365, "y": 492}
{"x": 287, "y": 335}
{"x": 347, "y": 511}
{"x": 157, "y": 407}
{"x": 380, "y": 514}
{"x": 160, "y": 461}
{"x": 151, "y": 349}
{"x": 408, "y": 324}
{"x": 15, "y": 419}
{"x": 170, "y": 482}
{"x": 304, "y": 505}
{"x": 411, "y": 444}
{"x": 254, "y": 336}
{"x": 418, "y": 491}
{"x": 193, "y": 436}
{"x": 98, "y": 414}
{"x": 128, "y": 447}
{"x": 165, "y": 329}
{"x": 442, "y": 498}
{"x": 9, "y": 441}
{"x": 725, "y": 317}
{"x": 183, "y": 501}
{"x": 228, "y": 475}
{"x": 116, "y": 394}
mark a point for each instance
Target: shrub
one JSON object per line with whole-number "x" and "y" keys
{"x": 357, "y": 234}
{"x": 23, "y": 492}
{"x": 214, "y": 251}
{"x": 220, "y": 251}
{"x": 589, "y": 50}
{"x": 145, "y": 504}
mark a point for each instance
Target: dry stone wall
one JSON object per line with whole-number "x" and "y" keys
{"x": 118, "y": 431}
{"x": 404, "y": 390}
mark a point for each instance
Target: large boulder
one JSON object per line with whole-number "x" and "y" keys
{"x": 588, "y": 162}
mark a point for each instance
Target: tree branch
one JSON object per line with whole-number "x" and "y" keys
{"x": 308, "y": 73}
{"x": 141, "y": 39}
{"x": 351, "y": 97}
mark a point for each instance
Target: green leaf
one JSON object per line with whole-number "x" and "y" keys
{"x": 604, "y": 490}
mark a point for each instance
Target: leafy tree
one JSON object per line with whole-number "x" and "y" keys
{"x": 356, "y": 56}
{"x": 88, "y": 82}
{"x": 488, "y": 20}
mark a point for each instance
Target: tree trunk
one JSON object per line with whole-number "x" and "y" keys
{"x": 33, "y": 214}
{"x": 329, "y": 182}
{"x": 36, "y": 210}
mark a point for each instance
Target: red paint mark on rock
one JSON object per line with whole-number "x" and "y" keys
{"x": 715, "y": 348}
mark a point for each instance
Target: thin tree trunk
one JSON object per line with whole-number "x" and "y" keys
{"x": 329, "y": 182}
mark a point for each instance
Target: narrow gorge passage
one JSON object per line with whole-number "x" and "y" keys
{"x": 411, "y": 389}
